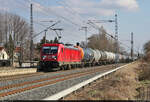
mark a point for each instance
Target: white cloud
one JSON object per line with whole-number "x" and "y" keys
{"x": 78, "y": 11}
{"x": 98, "y": 8}
{"x": 5, "y": 9}
{"x": 12, "y": 5}
{"x": 38, "y": 7}
{"x": 120, "y": 4}
{"x": 75, "y": 11}
{"x": 81, "y": 7}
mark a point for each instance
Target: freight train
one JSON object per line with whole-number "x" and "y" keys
{"x": 60, "y": 56}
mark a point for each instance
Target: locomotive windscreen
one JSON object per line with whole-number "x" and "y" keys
{"x": 49, "y": 49}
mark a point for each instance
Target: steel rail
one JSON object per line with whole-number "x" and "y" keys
{"x": 40, "y": 80}
{"x": 66, "y": 77}
{"x": 68, "y": 91}
{"x": 15, "y": 77}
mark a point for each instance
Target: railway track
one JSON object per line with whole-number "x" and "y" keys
{"x": 16, "y": 88}
{"x": 15, "y": 77}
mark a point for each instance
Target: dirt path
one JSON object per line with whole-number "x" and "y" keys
{"x": 122, "y": 85}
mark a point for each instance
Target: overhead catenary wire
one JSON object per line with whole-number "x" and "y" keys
{"x": 97, "y": 27}
{"x": 64, "y": 18}
{"x": 52, "y": 28}
{"x": 46, "y": 10}
{"x": 69, "y": 9}
{"x": 65, "y": 5}
{"x": 46, "y": 29}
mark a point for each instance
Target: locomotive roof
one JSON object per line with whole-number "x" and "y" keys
{"x": 50, "y": 44}
{"x": 71, "y": 47}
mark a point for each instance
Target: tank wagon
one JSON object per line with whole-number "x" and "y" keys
{"x": 88, "y": 57}
{"x": 60, "y": 56}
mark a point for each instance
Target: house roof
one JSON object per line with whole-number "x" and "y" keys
{"x": 17, "y": 49}
{"x": 1, "y": 48}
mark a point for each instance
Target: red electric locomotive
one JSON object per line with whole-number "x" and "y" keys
{"x": 54, "y": 56}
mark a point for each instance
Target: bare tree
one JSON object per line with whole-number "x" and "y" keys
{"x": 1, "y": 28}
{"x": 83, "y": 44}
{"x": 16, "y": 27}
{"x": 147, "y": 51}
{"x": 100, "y": 41}
{"x": 103, "y": 42}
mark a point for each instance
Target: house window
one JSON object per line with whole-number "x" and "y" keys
{"x": 3, "y": 56}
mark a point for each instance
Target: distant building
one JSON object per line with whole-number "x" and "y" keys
{"x": 17, "y": 53}
{"x": 3, "y": 54}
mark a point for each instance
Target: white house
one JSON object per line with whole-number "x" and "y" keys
{"x": 3, "y": 54}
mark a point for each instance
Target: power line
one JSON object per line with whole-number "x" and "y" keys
{"x": 53, "y": 29}
{"x": 85, "y": 29}
{"x": 66, "y": 19}
{"x": 46, "y": 26}
{"x": 46, "y": 29}
{"x": 45, "y": 11}
{"x": 65, "y": 5}
{"x": 116, "y": 30}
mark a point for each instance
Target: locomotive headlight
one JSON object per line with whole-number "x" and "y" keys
{"x": 54, "y": 57}
{"x": 44, "y": 57}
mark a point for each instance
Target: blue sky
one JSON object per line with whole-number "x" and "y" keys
{"x": 133, "y": 16}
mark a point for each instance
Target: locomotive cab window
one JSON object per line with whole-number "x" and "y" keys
{"x": 50, "y": 50}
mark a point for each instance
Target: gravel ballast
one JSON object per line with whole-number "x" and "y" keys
{"x": 46, "y": 91}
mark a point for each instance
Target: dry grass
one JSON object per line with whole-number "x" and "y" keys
{"x": 144, "y": 72}
{"x": 120, "y": 86}
{"x": 144, "y": 79}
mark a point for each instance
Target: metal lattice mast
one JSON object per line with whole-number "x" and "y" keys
{"x": 45, "y": 35}
{"x": 132, "y": 45}
{"x": 31, "y": 32}
{"x": 116, "y": 36}
{"x": 85, "y": 28}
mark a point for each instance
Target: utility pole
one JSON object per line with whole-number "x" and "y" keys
{"x": 31, "y": 32}
{"x": 45, "y": 35}
{"x": 132, "y": 45}
{"x": 116, "y": 37}
{"x": 85, "y": 28}
{"x": 6, "y": 24}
